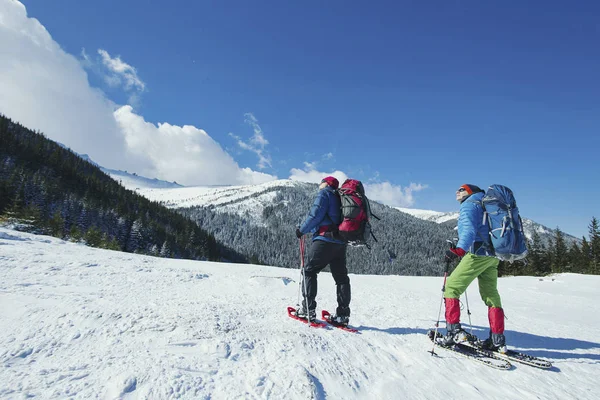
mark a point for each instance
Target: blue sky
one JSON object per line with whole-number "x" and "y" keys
{"x": 433, "y": 94}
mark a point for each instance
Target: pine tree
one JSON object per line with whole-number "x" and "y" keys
{"x": 56, "y": 224}
{"x": 537, "y": 259}
{"x": 135, "y": 237}
{"x": 559, "y": 252}
{"x": 75, "y": 234}
{"x": 165, "y": 250}
{"x": 594, "y": 230}
{"x": 575, "y": 259}
{"x": 586, "y": 256}
{"x": 93, "y": 237}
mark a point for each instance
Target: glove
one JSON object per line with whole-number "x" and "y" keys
{"x": 298, "y": 233}
{"x": 453, "y": 254}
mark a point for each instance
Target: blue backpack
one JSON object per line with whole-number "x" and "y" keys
{"x": 504, "y": 223}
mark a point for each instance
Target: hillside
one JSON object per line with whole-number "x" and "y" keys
{"x": 106, "y": 324}
{"x": 47, "y": 188}
{"x": 259, "y": 221}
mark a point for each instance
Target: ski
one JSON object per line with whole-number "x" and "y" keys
{"x": 522, "y": 358}
{"x": 326, "y": 316}
{"x": 485, "y": 357}
{"x": 315, "y": 324}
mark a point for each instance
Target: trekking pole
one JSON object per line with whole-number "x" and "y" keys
{"x": 437, "y": 323}
{"x": 469, "y": 313}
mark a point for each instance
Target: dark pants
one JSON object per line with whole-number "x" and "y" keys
{"x": 321, "y": 254}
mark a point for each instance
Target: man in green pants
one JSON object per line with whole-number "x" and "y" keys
{"x": 478, "y": 261}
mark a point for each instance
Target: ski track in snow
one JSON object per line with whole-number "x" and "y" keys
{"x": 86, "y": 323}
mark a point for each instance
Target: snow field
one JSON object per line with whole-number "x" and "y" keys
{"x": 86, "y": 323}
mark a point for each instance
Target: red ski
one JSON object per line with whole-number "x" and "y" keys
{"x": 316, "y": 324}
{"x": 327, "y": 318}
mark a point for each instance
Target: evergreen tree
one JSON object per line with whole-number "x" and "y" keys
{"x": 559, "y": 252}
{"x": 165, "y": 250}
{"x": 75, "y": 234}
{"x": 586, "y": 256}
{"x": 135, "y": 237}
{"x": 575, "y": 259}
{"x": 537, "y": 259}
{"x": 56, "y": 225}
{"x": 594, "y": 230}
{"x": 93, "y": 237}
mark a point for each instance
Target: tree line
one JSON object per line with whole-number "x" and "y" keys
{"x": 557, "y": 255}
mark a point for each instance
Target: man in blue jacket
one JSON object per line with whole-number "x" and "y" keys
{"x": 478, "y": 261}
{"x": 322, "y": 221}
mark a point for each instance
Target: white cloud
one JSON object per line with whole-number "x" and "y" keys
{"x": 47, "y": 89}
{"x": 393, "y": 195}
{"x": 185, "y": 154}
{"x": 328, "y": 156}
{"x": 383, "y": 192}
{"x": 257, "y": 142}
{"x": 313, "y": 176}
{"x": 121, "y": 72}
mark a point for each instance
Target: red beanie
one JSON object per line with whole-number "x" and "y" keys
{"x": 331, "y": 181}
{"x": 471, "y": 188}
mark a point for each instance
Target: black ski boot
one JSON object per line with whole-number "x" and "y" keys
{"x": 310, "y": 316}
{"x": 341, "y": 320}
{"x": 456, "y": 334}
{"x": 496, "y": 342}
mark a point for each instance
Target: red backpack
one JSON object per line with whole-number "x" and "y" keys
{"x": 355, "y": 228}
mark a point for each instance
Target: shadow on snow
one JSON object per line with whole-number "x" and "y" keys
{"x": 545, "y": 346}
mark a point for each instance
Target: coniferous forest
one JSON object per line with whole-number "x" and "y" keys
{"x": 46, "y": 188}
{"x": 405, "y": 245}
{"x": 557, "y": 255}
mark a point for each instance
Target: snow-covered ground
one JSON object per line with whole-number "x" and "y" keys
{"x": 77, "y": 322}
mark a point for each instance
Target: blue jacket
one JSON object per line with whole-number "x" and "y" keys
{"x": 471, "y": 227}
{"x": 325, "y": 211}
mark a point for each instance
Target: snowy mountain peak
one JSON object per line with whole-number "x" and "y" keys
{"x": 134, "y": 181}
{"x": 429, "y": 215}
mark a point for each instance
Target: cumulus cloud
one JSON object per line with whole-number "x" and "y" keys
{"x": 121, "y": 72}
{"x": 383, "y": 192}
{"x": 257, "y": 142}
{"x": 393, "y": 195}
{"x": 183, "y": 153}
{"x": 308, "y": 174}
{"x": 47, "y": 89}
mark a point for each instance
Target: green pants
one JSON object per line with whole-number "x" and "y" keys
{"x": 485, "y": 269}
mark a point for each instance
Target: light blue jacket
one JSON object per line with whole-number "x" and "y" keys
{"x": 471, "y": 227}
{"x": 325, "y": 211}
